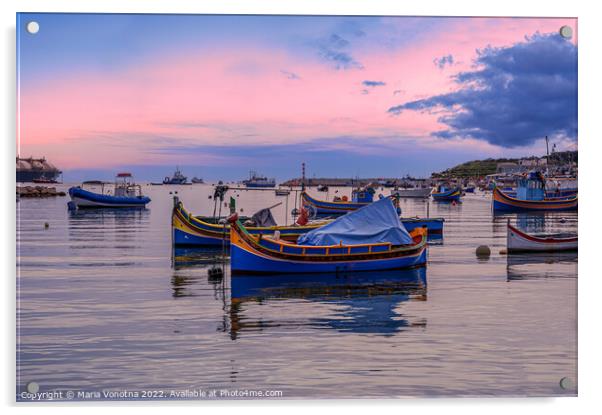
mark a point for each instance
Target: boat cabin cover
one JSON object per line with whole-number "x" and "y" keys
{"x": 374, "y": 223}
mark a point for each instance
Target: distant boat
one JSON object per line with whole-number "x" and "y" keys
{"x": 256, "y": 180}
{"x": 469, "y": 189}
{"x": 359, "y": 198}
{"x": 126, "y": 194}
{"x": 322, "y": 188}
{"x": 177, "y": 178}
{"x": 196, "y": 180}
{"x": 282, "y": 192}
{"x": 389, "y": 246}
{"x": 44, "y": 181}
{"x": 416, "y": 192}
{"x": 443, "y": 193}
{"x": 531, "y": 196}
{"x": 519, "y": 241}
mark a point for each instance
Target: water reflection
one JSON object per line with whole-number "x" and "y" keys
{"x": 363, "y": 302}
{"x": 535, "y": 265}
{"x": 106, "y": 237}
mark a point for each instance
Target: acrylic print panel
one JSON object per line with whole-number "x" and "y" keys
{"x": 136, "y": 137}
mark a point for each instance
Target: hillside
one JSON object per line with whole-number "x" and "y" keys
{"x": 488, "y": 166}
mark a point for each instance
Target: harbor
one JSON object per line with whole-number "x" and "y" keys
{"x": 289, "y": 207}
{"x": 134, "y": 293}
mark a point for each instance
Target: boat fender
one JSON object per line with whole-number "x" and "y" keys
{"x": 277, "y": 235}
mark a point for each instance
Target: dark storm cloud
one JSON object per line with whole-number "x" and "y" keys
{"x": 516, "y": 94}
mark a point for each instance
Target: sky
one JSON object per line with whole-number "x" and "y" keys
{"x": 220, "y": 95}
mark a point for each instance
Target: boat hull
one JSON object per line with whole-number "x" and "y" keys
{"x": 84, "y": 199}
{"x": 505, "y": 203}
{"x": 248, "y": 258}
{"x": 421, "y": 193}
{"x": 325, "y": 208}
{"x": 452, "y": 195}
{"x": 518, "y": 241}
{"x": 194, "y": 231}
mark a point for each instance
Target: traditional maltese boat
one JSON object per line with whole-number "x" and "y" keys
{"x": 413, "y": 192}
{"x": 531, "y": 196}
{"x": 447, "y": 194}
{"x": 369, "y": 239}
{"x": 519, "y": 241}
{"x": 190, "y": 230}
{"x": 359, "y": 199}
{"x": 126, "y": 194}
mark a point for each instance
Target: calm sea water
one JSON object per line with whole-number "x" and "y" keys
{"x": 104, "y": 305}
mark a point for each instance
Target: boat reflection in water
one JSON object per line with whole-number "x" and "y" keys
{"x": 360, "y": 302}
{"x": 535, "y": 265}
{"x": 364, "y": 302}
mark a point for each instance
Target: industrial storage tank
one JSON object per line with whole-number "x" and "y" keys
{"x": 32, "y": 169}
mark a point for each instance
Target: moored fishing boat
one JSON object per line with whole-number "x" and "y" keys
{"x": 531, "y": 196}
{"x": 359, "y": 199}
{"x": 443, "y": 193}
{"x": 519, "y": 241}
{"x": 370, "y": 239}
{"x": 126, "y": 194}
{"x": 190, "y": 230}
{"x": 177, "y": 178}
{"x": 416, "y": 192}
{"x": 282, "y": 192}
{"x": 256, "y": 180}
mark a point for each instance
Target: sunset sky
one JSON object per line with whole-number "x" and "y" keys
{"x": 349, "y": 96}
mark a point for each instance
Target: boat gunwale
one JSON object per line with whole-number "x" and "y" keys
{"x": 396, "y": 251}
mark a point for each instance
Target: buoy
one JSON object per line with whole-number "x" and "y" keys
{"x": 483, "y": 251}
{"x": 562, "y": 220}
{"x": 46, "y": 225}
{"x": 503, "y": 252}
{"x": 454, "y": 203}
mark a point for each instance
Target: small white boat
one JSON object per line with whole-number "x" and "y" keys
{"x": 417, "y": 192}
{"x": 519, "y": 241}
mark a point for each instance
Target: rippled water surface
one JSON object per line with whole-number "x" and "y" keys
{"x": 104, "y": 304}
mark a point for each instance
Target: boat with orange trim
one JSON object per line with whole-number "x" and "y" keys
{"x": 531, "y": 196}
{"x": 264, "y": 254}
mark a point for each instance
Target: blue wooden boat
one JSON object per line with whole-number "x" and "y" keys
{"x": 359, "y": 199}
{"x": 444, "y": 193}
{"x": 126, "y": 194}
{"x": 381, "y": 251}
{"x": 190, "y": 230}
{"x": 531, "y": 196}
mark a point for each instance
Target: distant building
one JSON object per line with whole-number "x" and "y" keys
{"x": 507, "y": 167}
{"x": 533, "y": 162}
